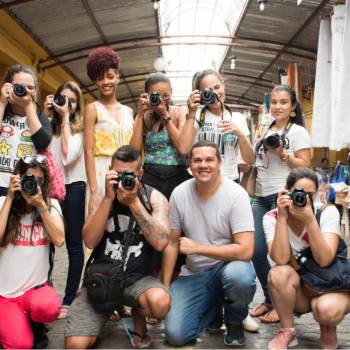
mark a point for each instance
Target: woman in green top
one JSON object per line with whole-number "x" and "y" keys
{"x": 157, "y": 127}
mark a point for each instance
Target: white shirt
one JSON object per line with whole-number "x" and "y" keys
{"x": 227, "y": 144}
{"x": 272, "y": 171}
{"x": 72, "y": 166}
{"x": 329, "y": 223}
{"x": 24, "y": 264}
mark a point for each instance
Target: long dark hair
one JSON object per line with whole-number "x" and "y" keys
{"x": 298, "y": 119}
{"x": 19, "y": 206}
{"x": 8, "y": 78}
{"x": 76, "y": 118}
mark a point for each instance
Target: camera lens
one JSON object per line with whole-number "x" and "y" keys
{"x": 60, "y": 100}
{"x": 29, "y": 184}
{"x": 128, "y": 182}
{"x": 19, "y": 90}
{"x": 272, "y": 141}
{"x": 207, "y": 97}
{"x": 299, "y": 198}
{"x": 154, "y": 99}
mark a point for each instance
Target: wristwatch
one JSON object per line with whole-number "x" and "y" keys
{"x": 167, "y": 120}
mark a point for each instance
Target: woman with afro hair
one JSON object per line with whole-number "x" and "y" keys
{"x": 107, "y": 123}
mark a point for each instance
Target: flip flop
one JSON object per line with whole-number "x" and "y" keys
{"x": 146, "y": 341}
{"x": 270, "y": 317}
{"x": 260, "y": 310}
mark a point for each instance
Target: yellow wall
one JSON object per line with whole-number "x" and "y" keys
{"x": 17, "y": 46}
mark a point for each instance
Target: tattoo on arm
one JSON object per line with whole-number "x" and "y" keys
{"x": 155, "y": 227}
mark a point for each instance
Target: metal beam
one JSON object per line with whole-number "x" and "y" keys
{"x": 296, "y": 34}
{"x": 12, "y": 3}
{"x": 94, "y": 46}
{"x": 246, "y": 76}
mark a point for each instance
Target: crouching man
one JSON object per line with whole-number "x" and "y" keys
{"x": 216, "y": 217}
{"x": 127, "y": 200}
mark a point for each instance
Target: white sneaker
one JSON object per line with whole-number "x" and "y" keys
{"x": 250, "y": 325}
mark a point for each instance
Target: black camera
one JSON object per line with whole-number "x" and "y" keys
{"x": 154, "y": 99}
{"x": 29, "y": 184}
{"x": 274, "y": 141}
{"x": 299, "y": 197}
{"x": 127, "y": 179}
{"x": 19, "y": 90}
{"x": 60, "y": 100}
{"x": 208, "y": 97}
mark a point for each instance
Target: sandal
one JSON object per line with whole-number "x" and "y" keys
{"x": 63, "y": 312}
{"x": 152, "y": 320}
{"x": 145, "y": 340}
{"x": 270, "y": 317}
{"x": 260, "y": 310}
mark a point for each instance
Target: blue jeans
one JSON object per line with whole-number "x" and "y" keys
{"x": 261, "y": 206}
{"x": 73, "y": 209}
{"x": 197, "y": 299}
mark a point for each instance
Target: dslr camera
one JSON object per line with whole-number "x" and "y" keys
{"x": 154, "y": 99}
{"x": 127, "y": 179}
{"x": 299, "y": 197}
{"x": 207, "y": 97}
{"x": 61, "y": 101}
{"x": 273, "y": 142}
{"x": 29, "y": 184}
{"x": 19, "y": 90}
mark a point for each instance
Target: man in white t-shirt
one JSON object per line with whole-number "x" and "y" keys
{"x": 215, "y": 215}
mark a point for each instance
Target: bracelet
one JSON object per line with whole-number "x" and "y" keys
{"x": 188, "y": 116}
{"x": 167, "y": 120}
{"x": 42, "y": 210}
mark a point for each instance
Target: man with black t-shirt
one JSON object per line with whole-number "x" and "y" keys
{"x": 149, "y": 208}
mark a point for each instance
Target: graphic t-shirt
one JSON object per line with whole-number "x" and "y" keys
{"x": 24, "y": 263}
{"x": 139, "y": 261}
{"x": 15, "y": 143}
{"x": 329, "y": 223}
{"x": 227, "y": 144}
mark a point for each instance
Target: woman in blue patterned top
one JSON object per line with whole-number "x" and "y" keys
{"x": 157, "y": 127}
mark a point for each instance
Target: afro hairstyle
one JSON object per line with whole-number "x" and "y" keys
{"x": 100, "y": 60}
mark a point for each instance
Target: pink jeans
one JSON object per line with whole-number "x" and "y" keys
{"x": 39, "y": 304}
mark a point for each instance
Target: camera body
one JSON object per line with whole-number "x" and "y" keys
{"x": 207, "y": 97}
{"x": 19, "y": 90}
{"x": 154, "y": 99}
{"x": 274, "y": 141}
{"x": 29, "y": 184}
{"x": 299, "y": 197}
{"x": 127, "y": 179}
{"x": 60, "y": 100}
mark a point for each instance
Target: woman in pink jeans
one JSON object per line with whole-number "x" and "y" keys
{"x": 29, "y": 222}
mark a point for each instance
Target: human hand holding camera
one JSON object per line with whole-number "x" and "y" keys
{"x": 159, "y": 104}
{"x": 48, "y": 105}
{"x": 36, "y": 200}
{"x": 284, "y": 202}
{"x": 5, "y": 93}
{"x": 193, "y": 101}
{"x": 143, "y": 104}
{"x": 14, "y": 186}
{"x": 22, "y": 96}
{"x": 303, "y": 213}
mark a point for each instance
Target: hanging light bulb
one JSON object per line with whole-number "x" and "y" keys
{"x": 262, "y": 4}
{"x": 160, "y": 64}
{"x": 299, "y": 2}
{"x": 155, "y": 5}
{"x": 233, "y": 62}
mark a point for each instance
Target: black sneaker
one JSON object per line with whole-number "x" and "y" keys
{"x": 40, "y": 330}
{"x": 216, "y": 326}
{"x": 234, "y": 335}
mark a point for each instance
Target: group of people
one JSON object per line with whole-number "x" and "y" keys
{"x": 181, "y": 198}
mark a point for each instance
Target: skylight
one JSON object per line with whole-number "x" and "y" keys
{"x": 195, "y": 34}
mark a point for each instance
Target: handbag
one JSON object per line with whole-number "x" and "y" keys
{"x": 58, "y": 187}
{"x": 317, "y": 280}
{"x": 248, "y": 181}
{"x": 105, "y": 278}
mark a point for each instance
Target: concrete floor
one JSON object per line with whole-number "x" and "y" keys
{"x": 114, "y": 335}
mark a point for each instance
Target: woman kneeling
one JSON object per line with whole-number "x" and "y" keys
{"x": 294, "y": 225}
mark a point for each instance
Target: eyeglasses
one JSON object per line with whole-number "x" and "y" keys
{"x": 30, "y": 160}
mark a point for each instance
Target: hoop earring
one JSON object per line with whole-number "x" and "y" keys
{"x": 292, "y": 114}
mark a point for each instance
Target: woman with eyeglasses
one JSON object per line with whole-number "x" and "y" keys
{"x": 108, "y": 124}
{"x": 22, "y": 131}
{"x": 157, "y": 127}
{"x": 66, "y": 108}
{"x": 299, "y": 223}
{"x": 285, "y": 145}
{"x": 209, "y": 118}
{"x": 29, "y": 222}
